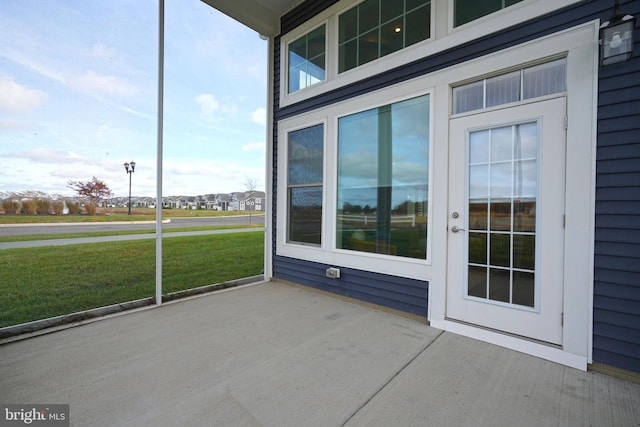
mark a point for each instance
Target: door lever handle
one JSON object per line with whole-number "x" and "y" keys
{"x": 455, "y": 229}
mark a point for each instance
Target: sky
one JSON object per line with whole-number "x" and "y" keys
{"x": 78, "y": 97}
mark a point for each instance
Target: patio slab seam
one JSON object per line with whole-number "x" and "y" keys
{"x": 393, "y": 377}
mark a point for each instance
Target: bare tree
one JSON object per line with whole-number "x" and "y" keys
{"x": 250, "y": 184}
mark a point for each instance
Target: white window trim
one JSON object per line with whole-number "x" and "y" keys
{"x": 443, "y": 36}
{"x": 326, "y": 253}
{"x": 285, "y": 59}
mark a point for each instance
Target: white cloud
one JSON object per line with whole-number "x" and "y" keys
{"x": 15, "y": 97}
{"x": 208, "y": 103}
{"x": 254, "y": 146}
{"x": 211, "y": 108}
{"x": 45, "y": 155}
{"x": 91, "y": 82}
{"x": 259, "y": 116}
{"x": 102, "y": 52}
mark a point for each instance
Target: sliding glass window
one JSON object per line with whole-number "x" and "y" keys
{"x": 383, "y": 179}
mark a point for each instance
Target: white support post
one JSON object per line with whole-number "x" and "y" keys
{"x": 159, "y": 153}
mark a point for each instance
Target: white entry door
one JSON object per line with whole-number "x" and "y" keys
{"x": 506, "y": 220}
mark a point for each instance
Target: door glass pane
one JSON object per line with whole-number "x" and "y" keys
{"x": 479, "y": 182}
{"x": 478, "y": 215}
{"x": 526, "y": 146}
{"x": 506, "y": 203}
{"x": 523, "y": 289}
{"x": 478, "y": 248}
{"x": 501, "y": 180}
{"x": 477, "y": 282}
{"x": 500, "y": 249}
{"x": 500, "y": 214}
{"x": 499, "y": 285}
{"x": 524, "y": 251}
{"x": 501, "y": 144}
{"x": 524, "y": 215}
{"x": 525, "y": 179}
{"x": 479, "y": 147}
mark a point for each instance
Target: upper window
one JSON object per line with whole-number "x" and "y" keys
{"x": 383, "y": 179}
{"x": 376, "y": 28}
{"x": 527, "y": 83}
{"x": 469, "y": 10}
{"x": 304, "y": 184}
{"x": 307, "y": 59}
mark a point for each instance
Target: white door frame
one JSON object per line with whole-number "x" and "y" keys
{"x": 543, "y": 319}
{"x": 580, "y": 45}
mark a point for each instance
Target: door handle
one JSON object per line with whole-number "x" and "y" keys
{"x": 455, "y": 229}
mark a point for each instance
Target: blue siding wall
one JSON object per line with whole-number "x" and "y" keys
{"x": 617, "y": 245}
{"x": 403, "y": 294}
{"x": 616, "y": 311}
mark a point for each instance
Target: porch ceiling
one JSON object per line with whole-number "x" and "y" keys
{"x": 261, "y": 15}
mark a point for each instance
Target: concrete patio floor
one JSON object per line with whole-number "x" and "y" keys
{"x": 278, "y": 355}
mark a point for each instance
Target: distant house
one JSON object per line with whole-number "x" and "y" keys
{"x": 251, "y": 200}
{"x": 144, "y": 202}
{"x": 222, "y": 202}
{"x": 469, "y": 162}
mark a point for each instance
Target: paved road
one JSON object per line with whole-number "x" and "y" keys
{"x": 30, "y": 229}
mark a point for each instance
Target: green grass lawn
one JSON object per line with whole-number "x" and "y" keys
{"x": 37, "y": 283}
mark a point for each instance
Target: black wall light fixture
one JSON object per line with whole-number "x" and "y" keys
{"x": 616, "y": 37}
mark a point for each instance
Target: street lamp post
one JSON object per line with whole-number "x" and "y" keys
{"x": 130, "y": 168}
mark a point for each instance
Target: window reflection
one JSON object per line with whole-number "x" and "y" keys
{"x": 502, "y": 190}
{"x": 376, "y": 28}
{"x": 383, "y": 169}
{"x": 304, "y": 184}
{"x": 307, "y": 60}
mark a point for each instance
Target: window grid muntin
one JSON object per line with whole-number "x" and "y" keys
{"x": 409, "y": 7}
{"x": 298, "y": 67}
{"x": 489, "y": 231}
{"x": 557, "y": 67}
